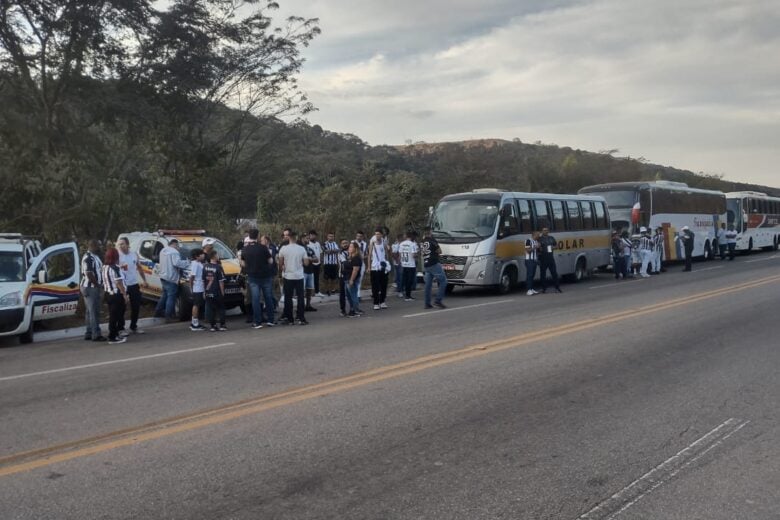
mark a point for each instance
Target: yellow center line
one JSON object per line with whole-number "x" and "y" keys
{"x": 30, "y": 460}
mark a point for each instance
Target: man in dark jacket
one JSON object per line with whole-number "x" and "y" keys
{"x": 687, "y": 242}
{"x": 547, "y": 247}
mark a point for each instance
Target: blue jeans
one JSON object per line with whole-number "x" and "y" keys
{"x": 92, "y": 297}
{"x": 530, "y": 272}
{"x": 167, "y": 304}
{"x": 435, "y": 271}
{"x": 264, "y": 285}
{"x": 399, "y": 278}
{"x": 352, "y": 296}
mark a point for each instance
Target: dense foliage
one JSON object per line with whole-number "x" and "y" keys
{"x": 113, "y": 117}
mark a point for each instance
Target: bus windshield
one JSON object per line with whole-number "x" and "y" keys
{"x": 465, "y": 219}
{"x": 733, "y": 213}
{"x": 619, "y": 199}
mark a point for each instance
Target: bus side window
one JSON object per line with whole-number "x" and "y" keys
{"x": 525, "y": 215}
{"x": 542, "y": 214}
{"x": 575, "y": 222}
{"x": 601, "y": 216}
{"x": 510, "y": 224}
{"x": 587, "y": 214}
{"x": 559, "y": 216}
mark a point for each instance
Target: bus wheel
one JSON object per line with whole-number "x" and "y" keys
{"x": 449, "y": 289}
{"x": 27, "y": 337}
{"x": 580, "y": 272}
{"x": 707, "y": 251}
{"x": 508, "y": 280}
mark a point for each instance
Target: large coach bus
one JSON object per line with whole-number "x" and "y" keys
{"x": 482, "y": 235}
{"x": 668, "y": 205}
{"x": 756, "y": 217}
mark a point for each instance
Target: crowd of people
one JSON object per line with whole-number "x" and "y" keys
{"x": 301, "y": 265}
{"x": 304, "y": 267}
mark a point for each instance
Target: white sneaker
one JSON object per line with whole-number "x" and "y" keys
{"x": 376, "y": 307}
{"x": 383, "y": 306}
{"x": 137, "y": 331}
{"x": 536, "y": 292}
{"x": 319, "y": 295}
{"x": 123, "y": 333}
{"x": 530, "y": 293}
{"x": 400, "y": 295}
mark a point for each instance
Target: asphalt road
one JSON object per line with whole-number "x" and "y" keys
{"x": 649, "y": 398}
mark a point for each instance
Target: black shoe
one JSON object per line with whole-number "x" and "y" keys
{"x": 100, "y": 338}
{"x": 429, "y": 307}
{"x": 88, "y": 337}
{"x": 439, "y": 305}
{"x": 544, "y": 291}
{"x": 558, "y": 289}
{"x": 301, "y": 322}
{"x": 310, "y": 309}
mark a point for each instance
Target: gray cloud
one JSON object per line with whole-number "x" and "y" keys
{"x": 693, "y": 84}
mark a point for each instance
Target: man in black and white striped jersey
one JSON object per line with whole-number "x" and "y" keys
{"x": 646, "y": 247}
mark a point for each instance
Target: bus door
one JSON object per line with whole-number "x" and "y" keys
{"x": 514, "y": 217}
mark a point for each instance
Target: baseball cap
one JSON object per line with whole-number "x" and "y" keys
{"x": 208, "y": 242}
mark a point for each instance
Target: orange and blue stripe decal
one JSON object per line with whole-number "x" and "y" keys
{"x": 52, "y": 293}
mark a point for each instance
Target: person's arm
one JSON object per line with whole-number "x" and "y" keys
{"x": 355, "y": 275}
{"x": 120, "y": 284}
{"x": 89, "y": 271}
{"x": 141, "y": 272}
{"x": 280, "y": 258}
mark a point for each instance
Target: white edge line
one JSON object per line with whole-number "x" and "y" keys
{"x": 678, "y": 470}
{"x": 660, "y": 466}
{"x": 428, "y": 313}
{"x": 762, "y": 259}
{"x": 113, "y": 362}
{"x": 618, "y": 283}
{"x": 708, "y": 268}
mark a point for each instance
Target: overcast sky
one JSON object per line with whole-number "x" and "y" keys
{"x": 688, "y": 83}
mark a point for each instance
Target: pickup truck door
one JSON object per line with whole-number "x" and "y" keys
{"x": 53, "y": 282}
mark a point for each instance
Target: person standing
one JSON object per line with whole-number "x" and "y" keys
{"x": 344, "y": 269}
{"x": 92, "y": 290}
{"x": 617, "y": 255}
{"x": 197, "y": 288}
{"x": 360, "y": 238}
{"x": 658, "y": 250}
{"x": 330, "y": 268}
{"x": 547, "y": 247}
{"x": 531, "y": 258}
{"x": 351, "y": 273}
{"x": 628, "y": 247}
{"x": 267, "y": 242}
{"x": 131, "y": 268}
{"x": 645, "y": 251}
{"x": 292, "y": 259}
{"x": 687, "y": 237}
{"x": 316, "y": 247}
{"x": 116, "y": 295}
{"x": 214, "y": 286}
{"x": 379, "y": 262}
{"x": 399, "y": 272}
{"x": 257, "y": 261}
{"x": 433, "y": 270}
{"x": 722, "y": 241}
{"x": 309, "y": 269}
{"x": 731, "y": 240}
{"x": 170, "y": 266}
{"x": 407, "y": 251}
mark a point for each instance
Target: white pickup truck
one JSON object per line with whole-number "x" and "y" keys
{"x": 35, "y": 284}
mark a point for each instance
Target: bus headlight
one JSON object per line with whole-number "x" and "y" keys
{"x": 481, "y": 275}
{"x": 13, "y": 299}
